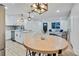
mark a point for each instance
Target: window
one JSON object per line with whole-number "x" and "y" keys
{"x": 56, "y": 25}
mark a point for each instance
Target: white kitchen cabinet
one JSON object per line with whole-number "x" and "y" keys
{"x": 10, "y": 20}
{"x": 19, "y": 36}
{"x": 7, "y": 34}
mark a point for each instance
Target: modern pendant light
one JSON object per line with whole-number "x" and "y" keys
{"x": 29, "y": 17}
{"x": 21, "y": 20}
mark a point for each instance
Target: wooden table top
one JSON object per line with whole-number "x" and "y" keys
{"x": 49, "y": 44}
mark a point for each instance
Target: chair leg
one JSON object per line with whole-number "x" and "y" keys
{"x": 60, "y": 52}
{"x": 26, "y": 52}
{"x": 48, "y": 54}
{"x": 39, "y": 54}
{"x": 54, "y": 54}
{"x": 33, "y": 53}
{"x": 29, "y": 52}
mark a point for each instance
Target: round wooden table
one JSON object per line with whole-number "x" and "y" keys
{"x": 46, "y": 45}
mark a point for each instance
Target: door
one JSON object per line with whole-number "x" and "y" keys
{"x": 2, "y": 29}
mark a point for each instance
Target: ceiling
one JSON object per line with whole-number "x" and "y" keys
{"x": 54, "y": 10}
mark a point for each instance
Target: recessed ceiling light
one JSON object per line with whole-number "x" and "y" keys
{"x": 57, "y": 11}
{"x": 6, "y": 7}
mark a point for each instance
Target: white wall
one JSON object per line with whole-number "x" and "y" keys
{"x": 74, "y": 33}
{"x": 38, "y": 25}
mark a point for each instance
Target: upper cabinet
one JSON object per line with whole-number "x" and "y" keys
{"x": 10, "y": 20}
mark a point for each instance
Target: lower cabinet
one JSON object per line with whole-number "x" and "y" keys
{"x": 7, "y": 34}
{"x": 19, "y": 36}
{"x": 13, "y": 35}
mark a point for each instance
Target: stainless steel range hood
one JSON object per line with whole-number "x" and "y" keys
{"x": 2, "y": 30}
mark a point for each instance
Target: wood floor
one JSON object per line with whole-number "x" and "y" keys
{"x": 16, "y": 49}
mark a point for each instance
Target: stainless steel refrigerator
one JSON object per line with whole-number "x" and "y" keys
{"x": 2, "y": 30}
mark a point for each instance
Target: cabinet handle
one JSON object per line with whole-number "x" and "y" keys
{"x": 16, "y": 34}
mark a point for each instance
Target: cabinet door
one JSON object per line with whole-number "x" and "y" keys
{"x": 11, "y": 20}
{"x": 16, "y": 35}
{"x": 7, "y": 34}
{"x": 19, "y": 36}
